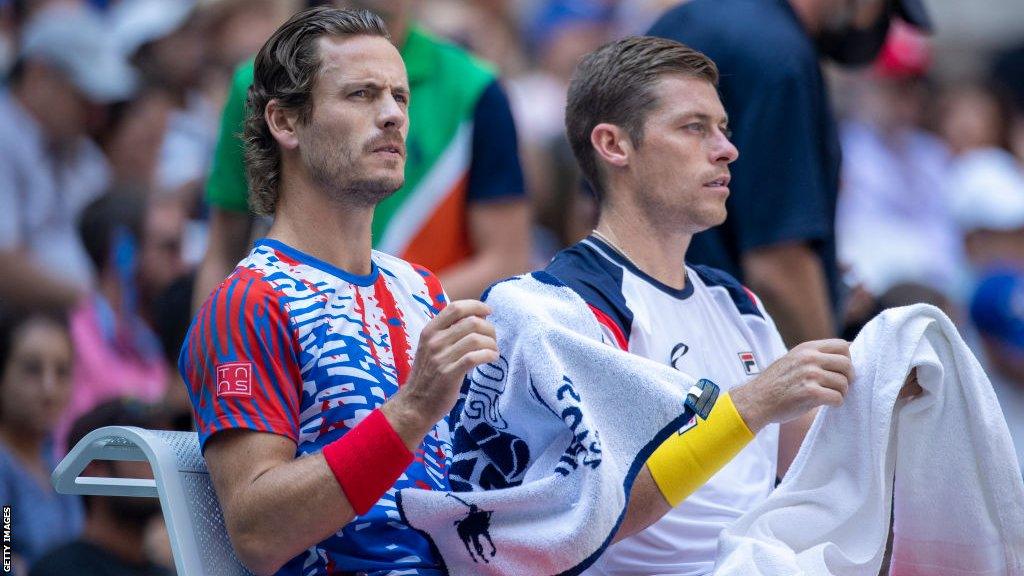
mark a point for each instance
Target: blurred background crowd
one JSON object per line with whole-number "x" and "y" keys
{"x": 110, "y": 115}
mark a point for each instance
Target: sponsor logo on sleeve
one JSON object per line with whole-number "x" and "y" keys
{"x": 234, "y": 379}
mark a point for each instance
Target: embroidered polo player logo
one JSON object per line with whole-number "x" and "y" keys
{"x": 476, "y": 524}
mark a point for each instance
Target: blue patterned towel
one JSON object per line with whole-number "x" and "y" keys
{"x": 548, "y": 439}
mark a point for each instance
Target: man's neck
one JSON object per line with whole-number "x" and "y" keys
{"x": 658, "y": 253}
{"x": 307, "y": 220}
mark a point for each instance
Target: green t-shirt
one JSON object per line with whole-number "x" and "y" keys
{"x": 446, "y": 84}
{"x": 226, "y": 188}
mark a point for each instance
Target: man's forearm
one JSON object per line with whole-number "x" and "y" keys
{"x": 790, "y": 280}
{"x": 262, "y": 487}
{"x": 301, "y": 495}
{"x": 470, "y": 278}
{"x": 32, "y": 286}
{"x": 685, "y": 462}
{"x": 500, "y": 233}
{"x": 646, "y": 506}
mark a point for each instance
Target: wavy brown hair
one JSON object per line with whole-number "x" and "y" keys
{"x": 286, "y": 70}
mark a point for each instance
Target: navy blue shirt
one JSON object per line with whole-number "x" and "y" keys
{"x": 786, "y": 180}
{"x": 494, "y": 171}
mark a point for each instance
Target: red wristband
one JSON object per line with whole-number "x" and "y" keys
{"x": 367, "y": 461}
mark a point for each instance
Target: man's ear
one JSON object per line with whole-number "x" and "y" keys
{"x": 282, "y": 123}
{"x": 611, "y": 144}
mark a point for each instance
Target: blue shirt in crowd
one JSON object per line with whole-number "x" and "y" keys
{"x": 785, "y": 183}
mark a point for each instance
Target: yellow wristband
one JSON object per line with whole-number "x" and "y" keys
{"x": 687, "y": 460}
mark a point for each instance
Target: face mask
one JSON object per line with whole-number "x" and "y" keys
{"x": 852, "y": 46}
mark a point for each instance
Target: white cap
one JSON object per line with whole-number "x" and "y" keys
{"x": 76, "y": 40}
{"x": 987, "y": 191}
{"x": 138, "y": 22}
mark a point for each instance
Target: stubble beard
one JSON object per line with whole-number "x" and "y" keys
{"x": 336, "y": 171}
{"x": 693, "y": 215}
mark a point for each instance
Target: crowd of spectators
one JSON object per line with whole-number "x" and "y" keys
{"x": 110, "y": 114}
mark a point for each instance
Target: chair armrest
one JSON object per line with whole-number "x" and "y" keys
{"x": 108, "y": 443}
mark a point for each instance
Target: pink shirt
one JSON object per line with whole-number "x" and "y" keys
{"x": 109, "y": 364}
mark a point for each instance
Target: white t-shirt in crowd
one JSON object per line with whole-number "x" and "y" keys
{"x": 42, "y": 196}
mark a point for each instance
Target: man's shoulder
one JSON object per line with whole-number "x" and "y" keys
{"x": 739, "y": 295}
{"x": 246, "y": 286}
{"x": 442, "y": 70}
{"x": 597, "y": 280}
{"x": 582, "y": 268}
{"x": 729, "y": 19}
{"x": 244, "y": 74}
{"x": 395, "y": 267}
{"x": 759, "y": 35}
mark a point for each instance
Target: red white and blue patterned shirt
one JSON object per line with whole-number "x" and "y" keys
{"x": 291, "y": 345}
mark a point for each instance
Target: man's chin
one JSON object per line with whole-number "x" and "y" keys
{"x": 708, "y": 221}
{"x": 372, "y": 191}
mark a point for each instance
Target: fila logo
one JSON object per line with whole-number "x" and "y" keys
{"x": 234, "y": 379}
{"x": 749, "y": 362}
{"x": 678, "y": 351}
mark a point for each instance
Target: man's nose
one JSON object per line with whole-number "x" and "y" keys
{"x": 392, "y": 114}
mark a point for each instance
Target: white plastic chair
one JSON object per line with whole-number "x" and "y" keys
{"x": 194, "y": 520}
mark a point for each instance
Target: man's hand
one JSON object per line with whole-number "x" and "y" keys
{"x": 812, "y": 374}
{"x": 911, "y": 388}
{"x": 452, "y": 343}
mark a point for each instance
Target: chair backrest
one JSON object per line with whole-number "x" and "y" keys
{"x": 194, "y": 519}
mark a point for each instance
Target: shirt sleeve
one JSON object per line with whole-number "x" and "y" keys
{"x": 240, "y": 361}
{"x": 779, "y": 187}
{"x": 227, "y": 187}
{"x": 495, "y": 172}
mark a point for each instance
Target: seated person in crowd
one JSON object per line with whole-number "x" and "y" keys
{"x": 67, "y": 70}
{"x": 113, "y": 541}
{"x": 116, "y": 352}
{"x": 35, "y": 385}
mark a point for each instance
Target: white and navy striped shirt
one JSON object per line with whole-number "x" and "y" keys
{"x": 713, "y": 328}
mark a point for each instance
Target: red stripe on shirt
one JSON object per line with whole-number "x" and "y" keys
{"x": 434, "y": 288}
{"x": 396, "y": 328}
{"x": 610, "y": 324}
{"x": 750, "y": 295}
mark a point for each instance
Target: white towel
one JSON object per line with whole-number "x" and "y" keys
{"x": 555, "y": 432}
{"x": 959, "y": 497}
